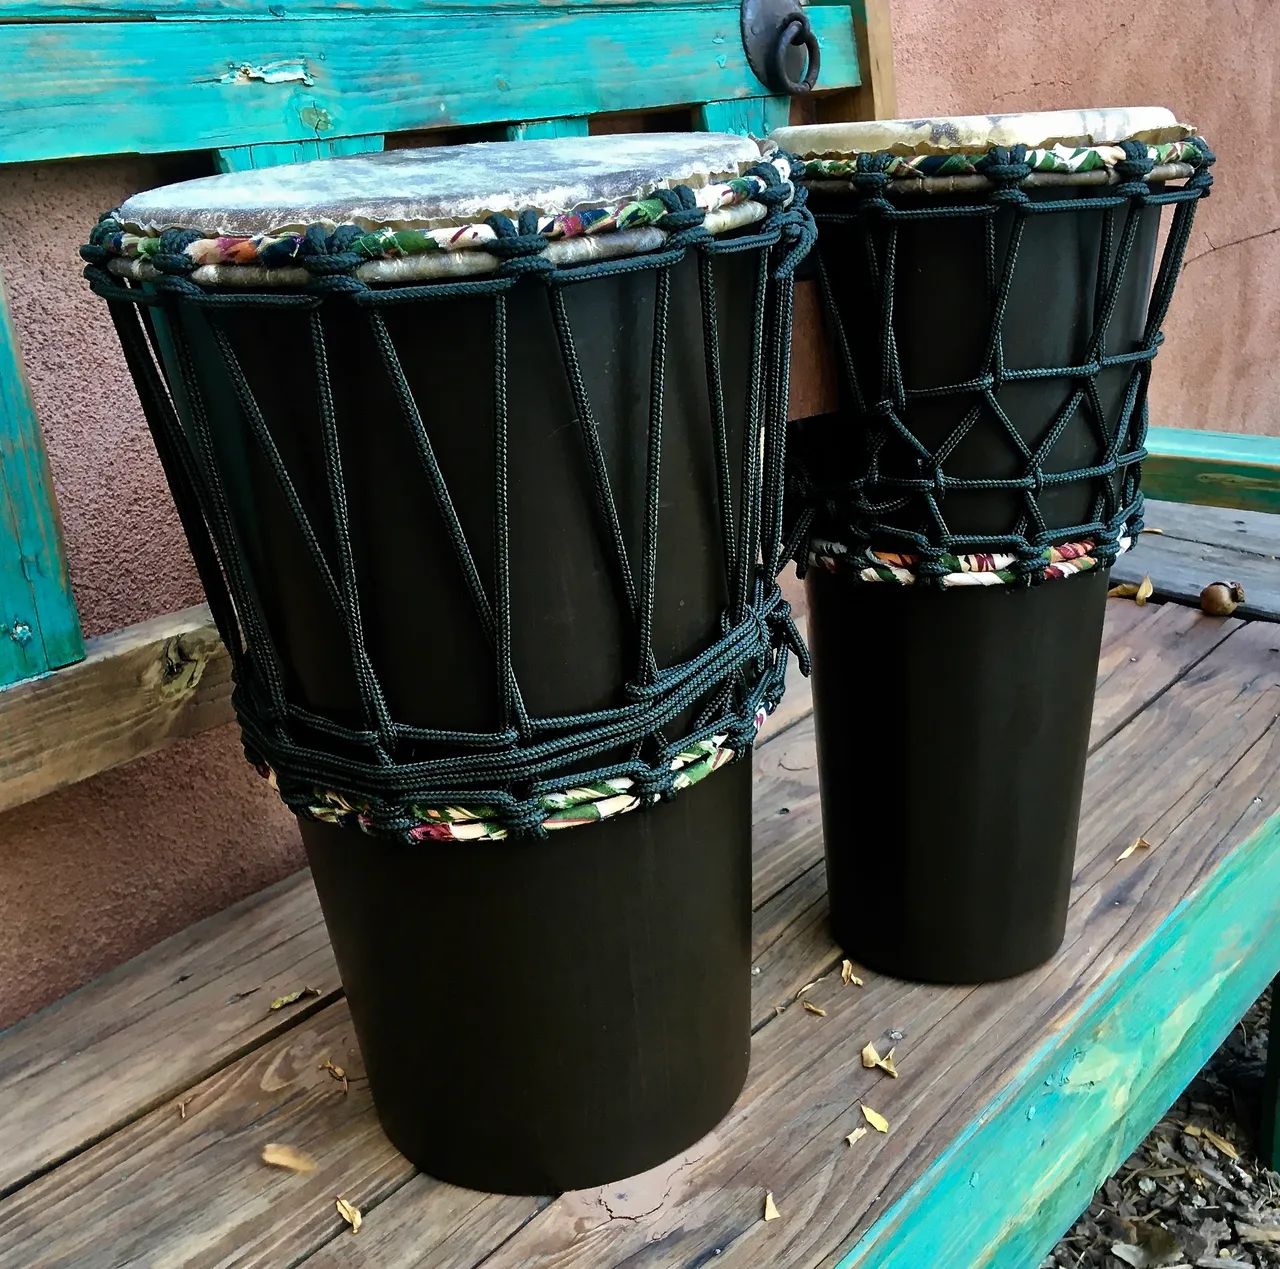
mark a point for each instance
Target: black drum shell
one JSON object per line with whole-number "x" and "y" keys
{"x": 953, "y": 724}
{"x": 535, "y": 1015}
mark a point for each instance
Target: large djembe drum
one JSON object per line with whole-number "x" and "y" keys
{"x": 479, "y": 454}
{"x": 991, "y": 310}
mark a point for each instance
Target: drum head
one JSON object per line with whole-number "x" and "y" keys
{"x": 975, "y": 134}
{"x": 440, "y": 186}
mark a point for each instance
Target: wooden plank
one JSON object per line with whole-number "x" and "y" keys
{"x": 748, "y": 116}
{"x": 876, "y": 96}
{"x": 135, "y": 1038}
{"x": 1197, "y": 771}
{"x": 1180, "y": 570}
{"x": 813, "y": 377}
{"x": 206, "y": 1199}
{"x": 269, "y": 944}
{"x": 136, "y": 691}
{"x": 1220, "y": 469}
{"x": 240, "y": 158}
{"x": 536, "y": 129}
{"x": 152, "y": 10}
{"x": 39, "y": 625}
{"x": 75, "y": 88}
{"x": 1254, "y": 532}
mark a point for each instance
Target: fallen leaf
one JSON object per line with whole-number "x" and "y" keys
{"x": 771, "y": 1212}
{"x": 856, "y": 981}
{"x": 281, "y": 1156}
{"x": 806, "y": 987}
{"x": 337, "y": 1072}
{"x": 1125, "y": 590}
{"x": 1153, "y": 531}
{"x": 1222, "y": 1144}
{"x": 1192, "y": 1130}
{"x": 293, "y": 997}
{"x": 871, "y": 1060}
{"x": 812, "y": 1008}
{"x": 182, "y": 1108}
{"x": 875, "y": 1119}
{"x": 1128, "y": 850}
{"x": 349, "y": 1213}
{"x": 846, "y": 972}
{"x": 856, "y": 1135}
{"x": 1145, "y": 591}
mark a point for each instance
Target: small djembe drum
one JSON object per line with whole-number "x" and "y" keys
{"x": 479, "y": 452}
{"x": 987, "y": 286}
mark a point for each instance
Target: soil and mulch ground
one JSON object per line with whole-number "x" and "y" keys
{"x": 1195, "y": 1192}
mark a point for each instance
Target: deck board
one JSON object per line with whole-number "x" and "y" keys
{"x": 1199, "y": 545}
{"x": 1184, "y": 740}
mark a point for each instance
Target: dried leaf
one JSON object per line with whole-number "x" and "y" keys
{"x": 1161, "y": 531}
{"x": 875, "y": 1119}
{"x": 182, "y": 1108}
{"x": 349, "y": 1213}
{"x": 293, "y": 997}
{"x": 1192, "y": 1130}
{"x": 871, "y": 1060}
{"x": 846, "y": 972}
{"x": 771, "y": 1212}
{"x": 812, "y": 1008}
{"x": 856, "y": 1135}
{"x": 281, "y": 1156}
{"x": 337, "y": 1072}
{"x": 1145, "y": 591}
{"x": 1128, "y": 850}
{"x": 1125, "y": 590}
{"x": 806, "y": 987}
{"x": 1222, "y": 1144}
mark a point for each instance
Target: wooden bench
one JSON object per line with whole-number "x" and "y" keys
{"x": 133, "y": 1114}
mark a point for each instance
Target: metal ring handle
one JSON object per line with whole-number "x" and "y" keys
{"x": 797, "y": 31}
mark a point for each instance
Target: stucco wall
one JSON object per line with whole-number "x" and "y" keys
{"x": 92, "y": 875}
{"x": 1218, "y": 66}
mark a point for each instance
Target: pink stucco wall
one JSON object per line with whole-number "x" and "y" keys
{"x": 92, "y": 875}
{"x": 1216, "y": 65}
{"x": 98, "y": 872}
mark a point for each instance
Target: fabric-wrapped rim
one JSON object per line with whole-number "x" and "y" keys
{"x": 976, "y": 134}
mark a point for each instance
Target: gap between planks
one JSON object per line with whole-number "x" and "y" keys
{"x": 787, "y": 963}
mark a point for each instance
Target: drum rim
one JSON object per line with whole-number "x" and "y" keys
{"x": 392, "y": 256}
{"x": 975, "y": 134}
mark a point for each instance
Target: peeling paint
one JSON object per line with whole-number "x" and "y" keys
{"x": 290, "y": 71}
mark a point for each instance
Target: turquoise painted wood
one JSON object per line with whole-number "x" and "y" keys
{"x": 749, "y": 116}
{"x": 240, "y": 158}
{"x": 1002, "y": 1194}
{"x": 39, "y": 626}
{"x": 117, "y": 87}
{"x": 1215, "y": 469}
{"x": 163, "y": 10}
{"x": 536, "y": 129}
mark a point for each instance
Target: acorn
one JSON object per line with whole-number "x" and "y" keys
{"x": 1221, "y": 599}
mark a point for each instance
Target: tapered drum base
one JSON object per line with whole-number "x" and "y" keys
{"x": 539, "y": 1016}
{"x": 953, "y": 728}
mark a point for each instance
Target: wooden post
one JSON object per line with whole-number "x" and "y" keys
{"x": 39, "y": 625}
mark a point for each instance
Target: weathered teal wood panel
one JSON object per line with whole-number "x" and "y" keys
{"x": 39, "y": 626}
{"x": 240, "y": 158}
{"x": 1215, "y": 469}
{"x": 1001, "y": 1195}
{"x": 119, "y": 87}
{"x": 750, "y": 116}
{"x": 167, "y": 10}
{"x": 536, "y": 129}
